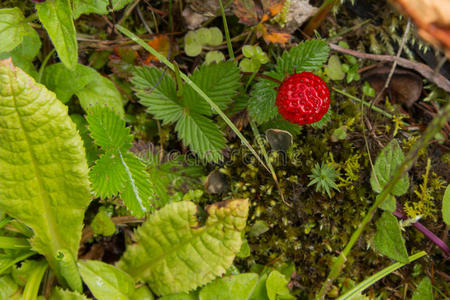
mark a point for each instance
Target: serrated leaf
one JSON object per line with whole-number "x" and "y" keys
{"x": 306, "y": 56}
{"x": 12, "y": 28}
{"x": 202, "y": 135}
{"x": 138, "y": 191}
{"x": 89, "y": 6}
{"x": 108, "y": 129}
{"x": 108, "y": 176}
{"x": 60, "y": 294}
{"x": 92, "y": 151}
{"x": 261, "y": 105}
{"x": 388, "y": 238}
{"x": 156, "y": 90}
{"x": 389, "y": 159}
{"x": 143, "y": 293}
{"x": 56, "y": 16}
{"x": 424, "y": 290}
{"x": 106, "y": 281}
{"x": 219, "y": 81}
{"x": 101, "y": 91}
{"x": 230, "y": 287}
{"x": 43, "y": 168}
{"x": 446, "y": 206}
{"x": 174, "y": 253}
{"x": 65, "y": 82}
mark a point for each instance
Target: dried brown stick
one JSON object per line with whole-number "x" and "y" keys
{"x": 420, "y": 68}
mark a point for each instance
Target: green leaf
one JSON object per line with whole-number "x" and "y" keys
{"x": 174, "y": 253}
{"x": 216, "y": 36}
{"x": 193, "y": 50}
{"x": 108, "y": 129}
{"x": 60, "y": 294}
{"x": 118, "y": 170}
{"x": 279, "y": 123}
{"x": 424, "y": 290}
{"x": 446, "y": 206}
{"x": 261, "y": 105}
{"x": 7, "y": 287}
{"x": 389, "y": 159}
{"x": 102, "y": 224}
{"x": 12, "y": 28}
{"x": 306, "y": 56}
{"x": 389, "y": 204}
{"x": 388, "y": 238}
{"x": 260, "y": 291}
{"x": 219, "y": 81}
{"x": 101, "y": 91}
{"x": 24, "y": 54}
{"x": 56, "y": 16}
{"x": 230, "y": 287}
{"x": 179, "y": 296}
{"x": 92, "y": 151}
{"x": 276, "y": 286}
{"x": 334, "y": 69}
{"x": 69, "y": 270}
{"x": 44, "y": 171}
{"x": 106, "y": 281}
{"x": 9, "y": 259}
{"x": 119, "y": 4}
{"x": 142, "y": 293}
{"x": 65, "y": 82}
{"x": 89, "y": 7}
{"x": 34, "y": 280}
{"x": 214, "y": 57}
{"x": 157, "y": 92}
{"x": 202, "y": 135}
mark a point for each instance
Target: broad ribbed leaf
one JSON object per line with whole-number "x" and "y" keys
{"x": 234, "y": 287}
{"x": 306, "y": 56}
{"x": 157, "y": 92}
{"x": 202, "y": 135}
{"x": 174, "y": 253}
{"x": 219, "y": 81}
{"x": 56, "y": 16}
{"x": 389, "y": 159}
{"x": 43, "y": 169}
{"x": 105, "y": 281}
{"x": 261, "y": 105}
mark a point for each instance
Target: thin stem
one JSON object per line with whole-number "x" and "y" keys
{"x": 227, "y": 32}
{"x": 44, "y": 63}
{"x": 435, "y": 126}
{"x": 195, "y": 87}
{"x": 379, "y": 275}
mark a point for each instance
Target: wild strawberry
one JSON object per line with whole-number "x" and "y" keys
{"x": 303, "y": 98}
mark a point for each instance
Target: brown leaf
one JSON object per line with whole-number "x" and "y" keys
{"x": 405, "y": 86}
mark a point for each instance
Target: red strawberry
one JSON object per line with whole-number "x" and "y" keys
{"x": 303, "y": 98}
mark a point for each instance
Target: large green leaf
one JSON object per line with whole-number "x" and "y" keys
{"x": 202, "y": 135}
{"x": 56, "y": 16}
{"x": 219, "y": 81}
{"x": 389, "y": 159}
{"x": 44, "y": 175}
{"x": 388, "y": 238}
{"x": 106, "y": 281}
{"x": 261, "y": 105}
{"x": 306, "y": 56}
{"x": 174, "y": 253}
{"x": 157, "y": 92}
{"x": 65, "y": 82}
{"x": 12, "y": 28}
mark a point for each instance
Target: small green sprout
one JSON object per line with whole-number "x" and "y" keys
{"x": 255, "y": 57}
{"x": 194, "y": 41}
{"x": 323, "y": 176}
